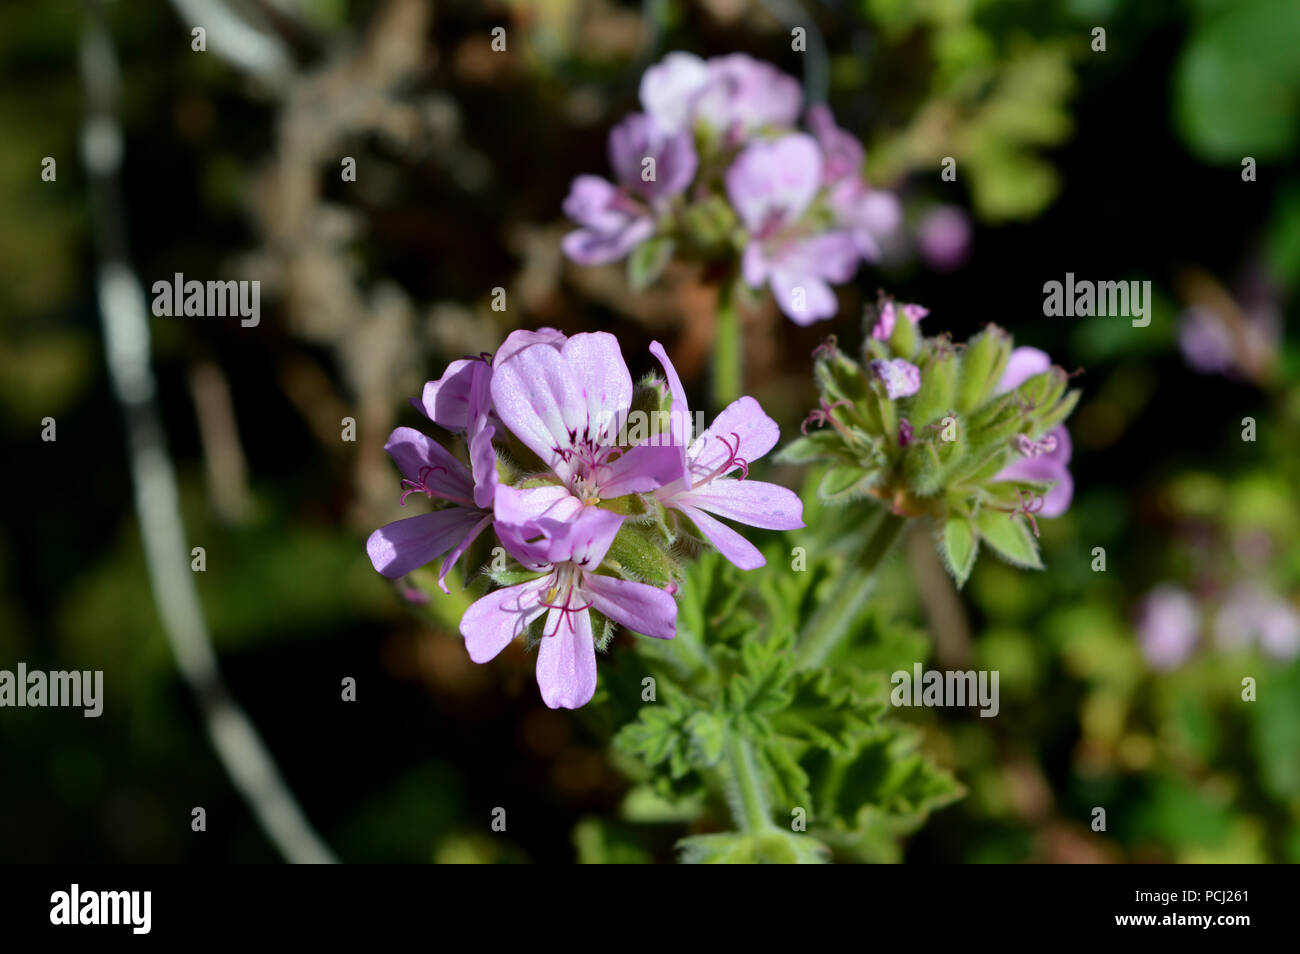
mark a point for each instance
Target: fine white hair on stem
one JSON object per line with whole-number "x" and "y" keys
{"x": 126, "y": 335}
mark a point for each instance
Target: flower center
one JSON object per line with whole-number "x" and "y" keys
{"x": 587, "y": 456}
{"x": 563, "y": 594}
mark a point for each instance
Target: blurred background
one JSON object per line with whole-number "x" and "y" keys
{"x": 1120, "y": 688}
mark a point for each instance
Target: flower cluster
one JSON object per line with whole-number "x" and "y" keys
{"x": 588, "y": 483}
{"x": 970, "y": 435}
{"x": 1170, "y": 620}
{"x": 715, "y": 168}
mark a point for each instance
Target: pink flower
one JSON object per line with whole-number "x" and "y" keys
{"x": 1046, "y": 461}
{"x": 901, "y": 377}
{"x": 1251, "y": 614}
{"x": 884, "y": 326}
{"x": 1168, "y": 621}
{"x": 868, "y": 214}
{"x": 944, "y": 237}
{"x": 567, "y": 554}
{"x": 568, "y": 403}
{"x": 737, "y": 95}
{"x": 651, "y": 165}
{"x": 613, "y": 223}
{"x": 741, "y": 434}
{"x": 771, "y": 185}
{"x": 428, "y": 468}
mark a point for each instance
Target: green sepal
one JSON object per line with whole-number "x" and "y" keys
{"x": 637, "y": 554}
{"x": 958, "y": 546}
{"x": 1009, "y": 536}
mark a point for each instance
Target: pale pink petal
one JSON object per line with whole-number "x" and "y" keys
{"x": 535, "y": 395}
{"x": 492, "y": 622}
{"x": 604, "y": 385}
{"x": 640, "y": 470}
{"x": 803, "y": 298}
{"x": 742, "y": 420}
{"x": 729, "y": 543}
{"x": 640, "y": 607}
{"x": 669, "y": 89}
{"x": 483, "y": 463}
{"x": 423, "y": 460}
{"x": 1023, "y": 364}
{"x": 774, "y": 179}
{"x": 752, "y": 502}
{"x": 679, "y": 415}
{"x": 405, "y": 545}
{"x": 450, "y": 560}
{"x": 566, "y": 660}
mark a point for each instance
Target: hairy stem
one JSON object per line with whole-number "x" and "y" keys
{"x": 728, "y": 350}
{"x": 831, "y": 624}
{"x": 745, "y": 791}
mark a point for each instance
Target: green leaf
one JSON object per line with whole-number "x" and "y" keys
{"x": 819, "y": 445}
{"x": 845, "y": 482}
{"x": 1010, "y": 538}
{"x": 648, "y": 261}
{"x": 824, "y": 712}
{"x": 958, "y": 547}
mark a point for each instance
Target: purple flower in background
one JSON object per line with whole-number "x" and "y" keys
{"x": 567, "y": 554}
{"x": 404, "y": 545}
{"x": 613, "y": 222}
{"x": 1250, "y": 614}
{"x": 884, "y": 326}
{"x": 901, "y": 378}
{"x": 736, "y": 95}
{"x": 770, "y": 185}
{"x": 1167, "y": 625}
{"x": 1046, "y": 460}
{"x": 944, "y": 237}
{"x": 568, "y": 402}
{"x": 638, "y": 139}
{"x": 1205, "y": 342}
{"x": 742, "y": 433}
{"x": 670, "y": 88}
{"x": 868, "y": 214}
{"x": 652, "y": 165}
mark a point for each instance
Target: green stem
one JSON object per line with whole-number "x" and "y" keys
{"x": 744, "y": 786}
{"x": 728, "y": 350}
{"x": 830, "y": 624}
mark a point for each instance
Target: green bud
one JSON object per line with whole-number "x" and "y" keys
{"x": 935, "y": 398}
{"x": 981, "y": 366}
{"x": 841, "y": 378}
{"x": 903, "y": 339}
{"x": 638, "y": 553}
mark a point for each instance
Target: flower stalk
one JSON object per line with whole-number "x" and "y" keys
{"x": 832, "y": 623}
{"x": 728, "y": 350}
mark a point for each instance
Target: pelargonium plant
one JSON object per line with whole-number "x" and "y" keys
{"x": 716, "y": 169}
{"x": 593, "y": 488}
{"x": 762, "y": 693}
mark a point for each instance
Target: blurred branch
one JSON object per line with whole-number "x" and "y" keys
{"x": 237, "y": 41}
{"x": 223, "y": 455}
{"x": 126, "y": 344}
